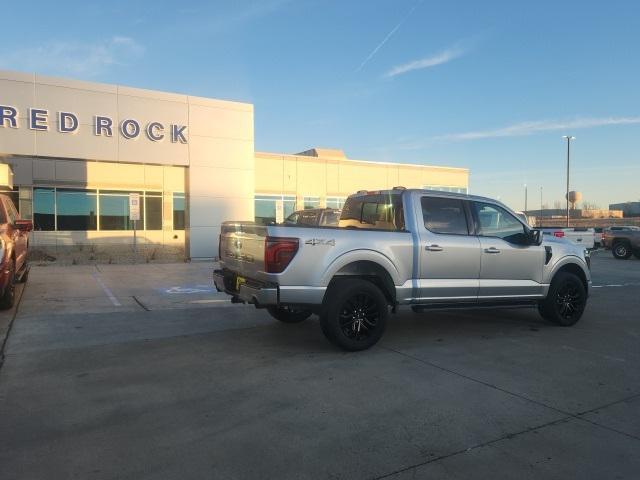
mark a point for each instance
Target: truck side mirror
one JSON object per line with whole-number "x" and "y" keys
{"x": 535, "y": 237}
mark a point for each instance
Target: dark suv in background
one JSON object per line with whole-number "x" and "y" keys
{"x": 14, "y": 243}
{"x": 623, "y": 241}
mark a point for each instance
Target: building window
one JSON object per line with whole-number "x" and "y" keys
{"x": 289, "y": 204}
{"x": 44, "y": 209}
{"x": 178, "y": 211}
{"x": 114, "y": 210}
{"x": 446, "y": 188}
{"x": 335, "y": 202}
{"x": 265, "y": 207}
{"x": 153, "y": 210}
{"x": 76, "y": 209}
{"x": 25, "y": 207}
{"x": 311, "y": 202}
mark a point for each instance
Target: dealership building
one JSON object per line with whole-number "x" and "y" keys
{"x": 78, "y": 150}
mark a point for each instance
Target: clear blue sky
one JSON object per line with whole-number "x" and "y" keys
{"x": 491, "y": 86}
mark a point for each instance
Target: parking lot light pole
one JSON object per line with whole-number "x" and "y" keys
{"x": 569, "y": 138}
{"x": 525, "y": 198}
{"x": 541, "y": 201}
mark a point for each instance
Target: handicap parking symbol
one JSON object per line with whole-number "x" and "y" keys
{"x": 188, "y": 289}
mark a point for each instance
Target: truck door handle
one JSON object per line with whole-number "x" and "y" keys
{"x": 491, "y": 250}
{"x": 434, "y": 248}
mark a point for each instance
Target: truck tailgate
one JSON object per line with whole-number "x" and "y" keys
{"x": 584, "y": 237}
{"x": 242, "y": 248}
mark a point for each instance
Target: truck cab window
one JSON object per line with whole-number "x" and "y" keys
{"x": 375, "y": 211}
{"x": 444, "y": 215}
{"x": 497, "y": 222}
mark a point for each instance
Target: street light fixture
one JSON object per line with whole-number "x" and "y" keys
{"x": 569, "y": 138}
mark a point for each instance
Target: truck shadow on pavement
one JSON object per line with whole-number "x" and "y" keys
{"x": 431, "y": 327}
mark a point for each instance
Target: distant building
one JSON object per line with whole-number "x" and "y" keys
{"x": 629, "y": 209}
{"x": 551, "y": 213}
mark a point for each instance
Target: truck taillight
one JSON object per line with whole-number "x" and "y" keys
{"x": 558, "y": 234}
{"x": 278, "y": 253}
{"x": 220, "y": 247}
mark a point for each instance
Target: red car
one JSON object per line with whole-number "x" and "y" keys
{"x": 14, "y": 242}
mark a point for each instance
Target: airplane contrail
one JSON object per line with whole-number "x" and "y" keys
{"x": 389, "y": 35}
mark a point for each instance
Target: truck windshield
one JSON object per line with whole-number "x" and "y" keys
{"x": 377, "y": 211}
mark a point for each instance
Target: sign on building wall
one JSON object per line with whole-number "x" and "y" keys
{"x": 279, "y": 211}
{"x": 134, "y": 206}
{"x": 103, "y": 126}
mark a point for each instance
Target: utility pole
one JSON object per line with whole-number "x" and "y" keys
{"x": 540, "y": 201}
{"x": 569, "y": 138}
{"x": 525, "y": 198}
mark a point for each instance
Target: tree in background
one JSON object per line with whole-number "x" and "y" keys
{"x": 590, "y": 206}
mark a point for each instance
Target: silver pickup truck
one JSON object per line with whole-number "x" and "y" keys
{"x": 421, "y": 248}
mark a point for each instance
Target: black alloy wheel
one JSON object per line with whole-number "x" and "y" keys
{"x": 359, "y": 316}
{"x": 566, "y": 300}
{"x": 354, "y": 314}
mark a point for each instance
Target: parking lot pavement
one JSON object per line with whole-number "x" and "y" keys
{"x": 6, "y": 320}
{"x": 145, "y": 372}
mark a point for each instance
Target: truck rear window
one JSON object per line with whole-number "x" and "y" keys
{"x": 379, "y": 212}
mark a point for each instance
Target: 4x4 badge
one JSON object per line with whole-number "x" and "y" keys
{"x": 321, "y": 241}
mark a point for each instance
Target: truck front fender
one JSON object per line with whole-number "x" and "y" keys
{"x": 571, "y": 263}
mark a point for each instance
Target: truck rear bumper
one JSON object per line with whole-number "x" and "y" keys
{"x": 255, "y": 295}
{"x": 266, "y": 295}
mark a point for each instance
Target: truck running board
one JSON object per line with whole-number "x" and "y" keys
{"x": 477, "y": 305}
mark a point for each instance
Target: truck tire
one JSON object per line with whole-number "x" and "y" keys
{"x": 289, "y": 314}
{"x": 565, "y": 301}
{"x": 25, "y": 274}
{"x": 354, "y": 314}
{"x": 621, "y": 250}
{"x": 8, "y": 297}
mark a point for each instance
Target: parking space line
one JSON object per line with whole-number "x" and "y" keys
{"x": 107, "y": 291}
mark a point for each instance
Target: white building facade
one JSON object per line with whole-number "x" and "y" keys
{"x": 77, "y": 149}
